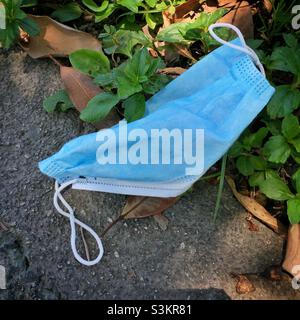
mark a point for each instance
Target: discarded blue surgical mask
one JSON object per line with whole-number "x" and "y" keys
{"x": 219, "y": 96}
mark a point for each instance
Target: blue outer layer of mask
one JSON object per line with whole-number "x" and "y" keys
{"x": 222, "y": 94}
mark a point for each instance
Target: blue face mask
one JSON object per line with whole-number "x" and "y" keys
{"x": 220, "y": 96}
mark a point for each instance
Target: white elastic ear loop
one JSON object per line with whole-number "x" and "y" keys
{"x": 244, "y": 48}
{"x": 73, "y": 222}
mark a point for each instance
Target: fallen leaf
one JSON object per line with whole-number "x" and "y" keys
{"x": 239, "y": 14}
{"x": 244, "y": 285}
{"x": 162, "y": 221}
{"x": 57, "y": 39}
{"x": 183, "y": 51}
{"x": 267, "y": 6}
{"x": 257, "y": 210}
{"x": 241, "y": 17}
{"x": 172, "y": 71}
{"x": 79, "y": 86}
{"x": 186, "y": 8}
{"x": 291, "y": 262}
{"x": 141, "y": 207}
{"x": 81, "y": 90}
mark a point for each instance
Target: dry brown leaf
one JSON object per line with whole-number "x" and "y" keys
{"x": 257, "y": 210}
{"x": 292, "y": 256}
{"x": 162, "y": 221}
{"x": 172, "y": 71}
{"x": 267, "y": 6}
{"x": 244, "y": 285}
{"x": 141, "y": 207}
{"x": 81, "y": 90}
{"x": 183, "y": 51}
{"x": 186, "y": 8}
{"x": 239, "y": 15}
{"x": 57, "y": 39}
{"x": 79, "y": 86}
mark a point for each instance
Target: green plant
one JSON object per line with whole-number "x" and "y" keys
{"x": 148, "y": 8}
{"x": 188, "y": 32}
{"x": 267, "y": 154}
{"x": 14, "y": 19}
{"x": 58, "y": 101}
{"x": 67, "y": 12}
{"x": 122, "y": 41}
{"x": 281, "y": 18}
{"x": 129, "y": 83}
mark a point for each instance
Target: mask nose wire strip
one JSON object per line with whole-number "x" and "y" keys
{"x": 73, "y": 222}
{"x": 244, "y": 48}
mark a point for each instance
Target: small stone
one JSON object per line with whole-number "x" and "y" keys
{"x": 182, "y": 246}
{"x": 110, "y": 220}
{"x": 116, "y": 253}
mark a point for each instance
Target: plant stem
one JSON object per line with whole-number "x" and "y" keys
{"x": 221, "y": 185}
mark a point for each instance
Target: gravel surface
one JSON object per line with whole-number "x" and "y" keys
{"x": 193, "y": 259}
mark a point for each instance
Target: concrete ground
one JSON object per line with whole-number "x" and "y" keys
{"x": 193, "y": 259}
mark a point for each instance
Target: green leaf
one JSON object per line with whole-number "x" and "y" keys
{"x": 151, "y": 3}
{"x": 131, "y": 5}
{"x": 94, "y": 7}
{"x": 9, "y": 35}
{"x": 254, "y": 43}
{"x": 293, "y": 210}
{"x": 127, "y": 84}
{"x": 296, "y": 179}
{"x": 274, "y": 126}
{"x": 269, "y": 173}
{"x": 236, "y": 150}
{"x": 59, "y": 99}
{"x": 150, "y": 21}
{"x": 258, "y": 163}
{"x": 135, "y": 107}
{"x": 100, "y": 16}
{"x": 290, "y": 40}
{"x": 19, "y": 14}
{"x": 286, "y": 59}
{"x": 255, "y": 140}
{"x": 123, "y": 41}
{"x": 174, "y": 33}
{"x": 105, "y": 79}
{"x": 244, "y": 165}
{"x": 132, "y": 73}
{"x": 276, "y": 149}
{"x": 99, "y": 107}
{"x": 30, "y": 26}
{"x": 296, "y": 156}
{"x": 256, "y": 178}
{"x": 156, "y": 83}
{"x": 296, "y": 143}
{"x": 284, "y": 101}
{"x": 68, "y": 12}
{"x": 184, "y": 32}
{"x": 290, "y": 127}
{"x": 90, "y": 62}
{"x": 29, "y": 3}
{"x": 275, "y": 189}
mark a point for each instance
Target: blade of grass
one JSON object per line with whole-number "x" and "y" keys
{"x": 221, "y": 186}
